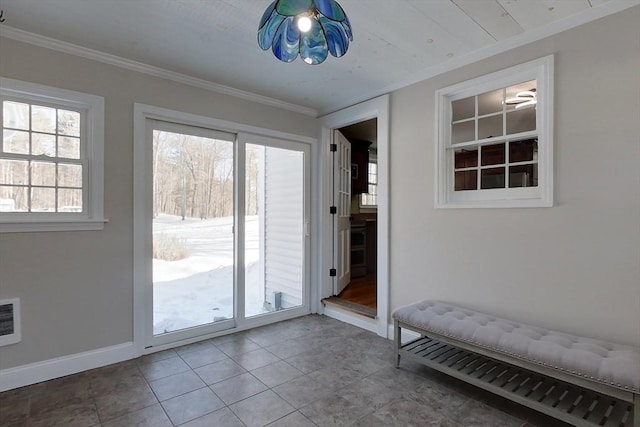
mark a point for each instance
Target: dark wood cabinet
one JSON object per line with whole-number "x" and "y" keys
{"x": 359, "y": 166}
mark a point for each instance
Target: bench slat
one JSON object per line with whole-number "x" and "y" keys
{"x": 448, "y": 355}
{"x": 620, "y": 411}
{"x": 569, "y": 399}
{"x": 543, "y": 389}
{"x": 553, "y": 398}
{"x": 491, "y": 376}
{"x": 587, "y": 403}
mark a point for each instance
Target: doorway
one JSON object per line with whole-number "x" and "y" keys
{"x": 376, "y": 109}
{"x": 356, "y": 285}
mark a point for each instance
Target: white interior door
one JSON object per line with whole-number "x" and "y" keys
{"x": 342, "y": 201}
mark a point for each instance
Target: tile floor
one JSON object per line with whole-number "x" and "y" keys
{"x": 309, "y": 371}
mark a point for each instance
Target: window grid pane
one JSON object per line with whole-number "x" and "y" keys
{"x": 32, "y": 179}
{"x": 519, "y": 156}
{"x": 495, "y": 114}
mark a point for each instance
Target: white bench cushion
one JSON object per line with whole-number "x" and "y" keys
{"x": 609, "y": 363}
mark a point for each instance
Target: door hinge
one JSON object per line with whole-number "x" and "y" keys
{"x": 333, "y": 272}
{"x": 333, "y": 147}
{"x": 333, "y": 210}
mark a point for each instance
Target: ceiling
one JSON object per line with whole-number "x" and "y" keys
{"x": 212, "y": 43}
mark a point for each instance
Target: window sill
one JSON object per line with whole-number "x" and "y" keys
{"x": 45, "y": 226}
{"x": 538, "y": 203}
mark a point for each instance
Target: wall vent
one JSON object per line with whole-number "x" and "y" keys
{"x": 9, "y": 321}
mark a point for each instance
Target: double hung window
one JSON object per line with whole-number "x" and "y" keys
{"x": 51, "y": 172}
{"x": 494, "y": 139}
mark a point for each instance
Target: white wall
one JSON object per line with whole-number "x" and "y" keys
{"x": 76, "y": 288}
{"x": 574, "y": 267}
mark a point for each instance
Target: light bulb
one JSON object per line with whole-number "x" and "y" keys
{"x": 304, "y": 23}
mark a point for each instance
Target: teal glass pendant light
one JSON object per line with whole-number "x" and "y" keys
{"x": 311, "y": 28}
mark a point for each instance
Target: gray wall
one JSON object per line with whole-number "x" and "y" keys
{"x": 573, "y": 267}
{"x": 76, "y": 288}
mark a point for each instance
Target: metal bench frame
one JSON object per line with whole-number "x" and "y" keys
{"x": 571, "y": 398}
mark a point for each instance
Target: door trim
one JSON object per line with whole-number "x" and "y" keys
{"x": 374, "y": 108}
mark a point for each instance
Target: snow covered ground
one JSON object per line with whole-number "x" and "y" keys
{"x": 199, "y": 289}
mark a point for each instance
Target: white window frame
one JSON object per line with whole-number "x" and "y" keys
{"x": 364, "y": 208}
{"x": 540, "y": 70}
{"x": 91, "y": 108}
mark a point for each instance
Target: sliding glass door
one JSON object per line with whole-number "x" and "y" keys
{"x": 193, "y": 210}
{"x": 229, "y": 230}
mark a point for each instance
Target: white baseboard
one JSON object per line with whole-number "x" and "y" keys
{"x": 351, "y": 318}
{"x": 363, "y": 322}
{"x": 33, "y": 373}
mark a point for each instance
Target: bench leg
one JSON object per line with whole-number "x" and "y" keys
{"x": 636, "y": 410}
{"x": 397, "y": 341}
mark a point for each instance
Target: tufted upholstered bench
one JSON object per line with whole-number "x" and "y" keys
{"x": 582, "y": 381}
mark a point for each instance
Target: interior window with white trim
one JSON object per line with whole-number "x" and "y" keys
{"x": 494, "y": 139}
{"x": 50, "y": 159}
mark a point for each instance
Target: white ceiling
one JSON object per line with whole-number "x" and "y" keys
{"x": 396, "y": 42}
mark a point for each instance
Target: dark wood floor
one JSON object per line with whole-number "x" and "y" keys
{"x": 361, "y": 291}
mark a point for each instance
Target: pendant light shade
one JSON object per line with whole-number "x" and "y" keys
{"x": 310, "y": 28}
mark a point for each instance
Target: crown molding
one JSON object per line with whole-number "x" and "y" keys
{"x": 58, "y": 45}
{"x": 553, "y": 28}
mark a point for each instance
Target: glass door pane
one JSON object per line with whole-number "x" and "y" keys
{"x": 193, "y": 251}
{"x": 274, "y": 229}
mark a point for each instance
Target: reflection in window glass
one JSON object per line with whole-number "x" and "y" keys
{"x": 523, "y": 176}
{"x": 466, "y": 180}
{"x": 490, "y": 127}
{"x": 490, "y": 102}
{"x": 463, "y": 108}
{"x": 492, "y": 178}
{"x": 495, "y": 114}
{"x": 521, "y": 120}
{"x": 518, "y": 94}
{"x": 493, "y": 154}
{"x": 466, "y": 158}
{"x": 523, "y": 151}
{"x": 463, "y": 132}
